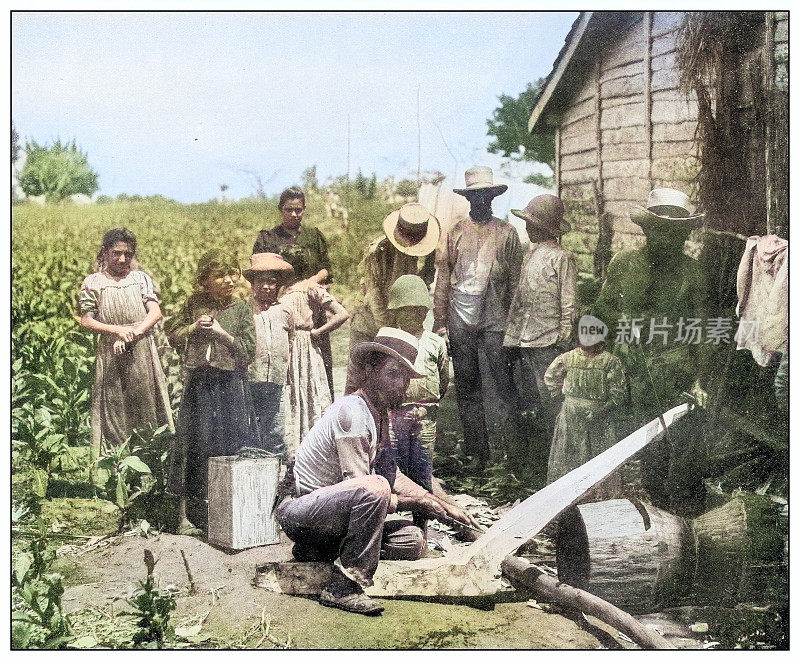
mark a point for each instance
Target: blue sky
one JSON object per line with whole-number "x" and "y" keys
{"x": 179, "y": 103}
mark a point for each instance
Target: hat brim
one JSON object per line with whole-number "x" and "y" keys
{"x": 361, "y": 349}
{"x": 425, "y": 246}
{"x": 249, "y": 273}
{"x": 499, "y": 189}
{"x": 563, "y": 226}
{"x": 642, "y": 216}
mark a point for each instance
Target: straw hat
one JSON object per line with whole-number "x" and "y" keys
{"x": 262, "y": 262}
{"x": 412, "y": 229}
{"x": 409, "y": 290}
{"x": 480, "y": 178}
{"x": 545, "y": 212}
{"x": 393, "y": 342}
{"x": 666, "y": 204}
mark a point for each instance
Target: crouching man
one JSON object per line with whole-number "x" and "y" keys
{"x": 340, "y": 513}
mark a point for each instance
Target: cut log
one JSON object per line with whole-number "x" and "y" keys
{"x": 474, "y": 570}
{"x": 550, "y": 589}
{"x": 632, "y": 554}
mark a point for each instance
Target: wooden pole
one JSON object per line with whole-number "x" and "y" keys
{"x": 551, "y": 589}
{"x": 648, "y": 96}
{"x": 558, "y": 160}
{"x": 769, "y": 77}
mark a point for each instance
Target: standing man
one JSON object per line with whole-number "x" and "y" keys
{"x": 411, "y": 233}
{"x": 306, "y": 249}
{"x": 543, "y": 308}
{"x": 345, "y": 494}
{"x": 477, "y": 273}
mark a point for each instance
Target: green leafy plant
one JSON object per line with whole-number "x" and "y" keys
{"x": 37, "y": 618}
{"x": 120, "y": 474}
{"x": 56, "y": 171}
{"x": 154, "y": 608}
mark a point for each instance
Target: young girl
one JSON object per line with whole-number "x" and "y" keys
{"x": 307, "y": 392}
{"x": 120, "y": 303}
{"x": 215, "y": 336}
{"x": 269, "y": 275}
{"x": 594, "y": 385}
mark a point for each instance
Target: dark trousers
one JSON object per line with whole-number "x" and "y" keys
{"x": 533, "y": 394}
{"x": 268, "y": 405}
{"x": 347, "y": 521}
{"x": 466, "y": 345}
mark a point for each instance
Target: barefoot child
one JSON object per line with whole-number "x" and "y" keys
{"x": 269, "y": 275}
{"x": 594, "y": 385}
{"x": 215, "y": 336}
{"x": 120, "y": 303}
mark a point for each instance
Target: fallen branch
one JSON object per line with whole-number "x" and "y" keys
{"x": 551, "y": 589}
{"x": 192, "y": 587}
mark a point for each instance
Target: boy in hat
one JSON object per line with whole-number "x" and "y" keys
{"x": 543, "y": 308}
{"x": 411, "y": 233}
{"x": 341, "y": 510}
{"x": 269, "y": 275}
{"x": 477, "y": 272}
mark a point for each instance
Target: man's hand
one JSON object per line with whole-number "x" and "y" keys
{"x": 431, "y": 507}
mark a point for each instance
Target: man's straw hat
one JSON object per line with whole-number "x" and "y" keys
{"x": 480, "y": 178}
{"x": 262, "y": 262}
{"x": 412, "y": 229}
{"x": 393, "y": 342}
{"x": 666, "y": 204}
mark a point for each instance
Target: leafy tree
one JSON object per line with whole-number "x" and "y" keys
{"x": 309, "y": 178}
{"x": 14, "y": 144}
{"x": 406, "y": 188}
{"x": 56, "y": 171}
{"x": 509, "y": 127}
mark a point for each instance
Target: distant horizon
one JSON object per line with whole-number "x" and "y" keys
{"x": 178, "y": 104}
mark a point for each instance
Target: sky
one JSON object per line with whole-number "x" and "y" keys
{"x": 178, "y": 104}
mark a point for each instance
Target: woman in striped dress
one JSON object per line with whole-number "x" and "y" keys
{"x": 120, "y": 303}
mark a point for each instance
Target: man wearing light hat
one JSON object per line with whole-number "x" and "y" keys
{"x": 411, "y": 233}
{"x": 658, "y": 283}
{"x": 542, "y": 311}
{"x": 341, "y": 510}
{"x": 477, "y": 272}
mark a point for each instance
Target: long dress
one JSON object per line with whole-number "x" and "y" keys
{"x": 588, "y": 383}
{"x": 216, "y": 416}
{"x": 307, "y": 394}
{"x": 130, "y": 389}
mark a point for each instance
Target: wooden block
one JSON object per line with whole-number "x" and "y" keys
{"x": 633, "y": 168}
{"x": 576, "y": 144}
{"x": 631, "y": 114}
{"x": 624, "y": 135}
{"x": 579, "y": 110}
{"x": 665, "y": 79}
{"x": 674, "y": 131}
{"x": 240, "y": 498}
{"x": 583, "y": 126}
{"x": 666, "y": 21}
{"x": 665, "y": 61}
{"x": 579, "y": 161}
{"x": 623, "y": 86}
{"x": 624, "y": 71}
{"x": 628, "y": 47}
{"x": 666, "y": 43}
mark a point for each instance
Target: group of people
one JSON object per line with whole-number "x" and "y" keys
{"x": 259, "y": 371}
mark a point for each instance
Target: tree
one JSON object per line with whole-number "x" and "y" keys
{"x": 56, "y": 171}
{"x": 309, "y": 178}
{"x": 14, "y": 144}
{"x": 509, "y": 126}
{"x": 406, "y": 188}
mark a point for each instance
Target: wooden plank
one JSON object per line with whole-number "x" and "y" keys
{"x": 626, "y": 86}
{"x": 576, "y": 144}
{"x": 666, "y": 79}
{"x": 677, "y": 148}
{"x": 579, "y": 190}
{"x": 624, "y": 225}
{"x": 635, "y": 168}
{"x": 624, "y": 152}
{"x": 675, "y": 168}
{"x": 624, "y": 71}
{"x": 666, "y": 21}
{"x": 625, "y": 48}
{"x": 474, "y": 570}
{"x": 665, "y": 43}
{"x": 615, "y": 102}
{"x": 578, "y": 161}
{"x": 579, "y": 127}
{"x": 631, "y": 114}
{"x": 666, "y": 61}
{"x": 674, "y": 131}
{"x": 555, "y": 78}
{"x": 621, "y": 208}
{"x": 648, "y": 75}
{"x": 582, "y": 176}
{"x": 624, "y": 135}
{"x": 557, "y": 173}
{"x": 578, "y": 111}
{"x": 674, "y": 110}
{"x": 627, "y": 187}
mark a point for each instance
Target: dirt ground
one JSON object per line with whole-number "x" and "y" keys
{"x": 101, "y": 578}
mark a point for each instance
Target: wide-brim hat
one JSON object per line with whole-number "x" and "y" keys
{"x": 412, "y": 229}
{"x": 666, "y": 204}
{"x": 480, "y": 178}
{"x": 393, "y": 342}
{"x": 545, "y": 212}
{"x": 263, "y": 262}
